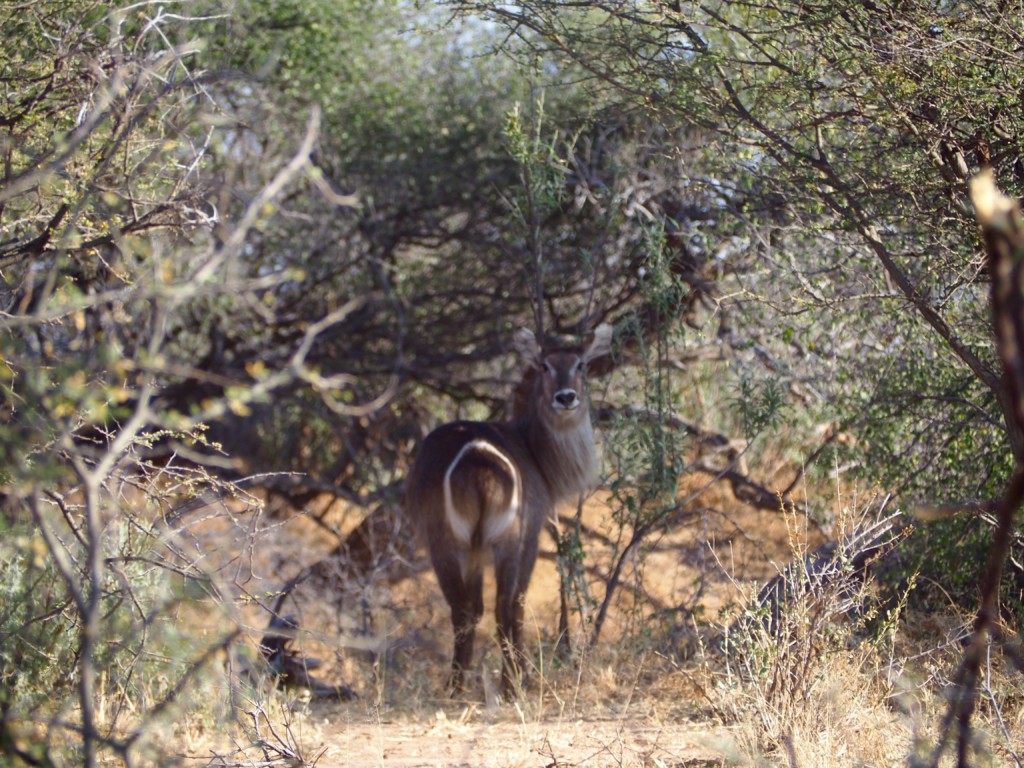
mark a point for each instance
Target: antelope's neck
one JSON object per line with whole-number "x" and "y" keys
{"x": 567, "y": 459}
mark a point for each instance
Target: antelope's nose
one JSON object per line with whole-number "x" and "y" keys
{"x": 567, "y": 398}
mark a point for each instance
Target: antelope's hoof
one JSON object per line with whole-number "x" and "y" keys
{"x": 455, "y": 686}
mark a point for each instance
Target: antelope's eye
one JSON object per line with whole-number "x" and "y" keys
{"x": 549, "y": 368}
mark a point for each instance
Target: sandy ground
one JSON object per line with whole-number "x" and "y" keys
{"x": 444, "y": 742}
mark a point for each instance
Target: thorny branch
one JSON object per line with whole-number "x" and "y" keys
{"x": 1003, "y": 228}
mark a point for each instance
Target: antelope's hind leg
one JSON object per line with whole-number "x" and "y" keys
{"x": 508, "y": 611}
{"x": 464, "y": 595}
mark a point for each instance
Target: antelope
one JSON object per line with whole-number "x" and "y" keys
{"x": 480, "y": 489}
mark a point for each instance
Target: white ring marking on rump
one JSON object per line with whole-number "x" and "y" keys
{"x": 493, "y": 528}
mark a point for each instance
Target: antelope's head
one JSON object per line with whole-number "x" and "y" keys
{"x": 554, "y": 387}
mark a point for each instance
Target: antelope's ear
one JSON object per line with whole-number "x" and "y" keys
{"x": 600, "y": 344}
{"x": 526, "y": 345}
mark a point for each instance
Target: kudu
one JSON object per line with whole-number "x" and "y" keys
{"x": 487, "y": 488}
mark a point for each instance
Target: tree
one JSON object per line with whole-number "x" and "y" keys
{"x": 839, "y": 138}
{"x": 111, "y": 270}
{"x": 442, "y": 229}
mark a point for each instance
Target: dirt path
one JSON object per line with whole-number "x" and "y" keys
{"x": 444, "y": 742}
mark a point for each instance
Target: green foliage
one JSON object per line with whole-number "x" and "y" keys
{"x": 646, "y": 445}
{"x": 95, "y": 136}
{"x": 145, "y": 656}
{"x": 541, "y": 164}
{"x": 642, "y": 447}
{"x": 760, "y": 405}
{"x": 311, "y": 50}
{"x": 900, "y": 416}
{"x": 37, "y": 645}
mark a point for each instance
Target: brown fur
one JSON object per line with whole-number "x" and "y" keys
{"x": 480, "y": 488}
